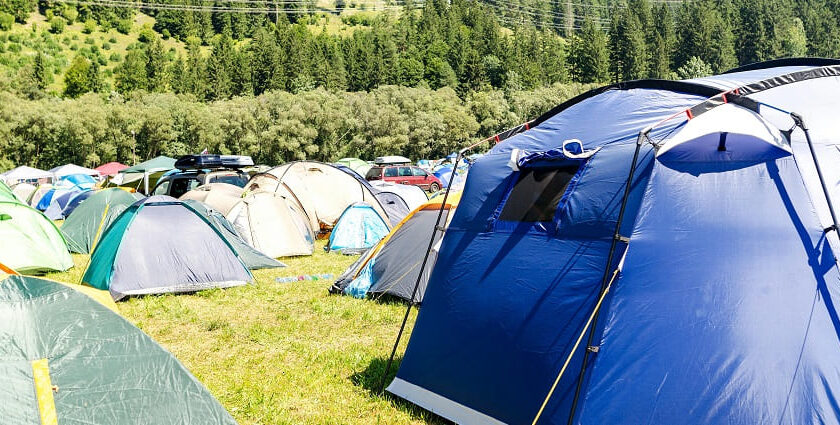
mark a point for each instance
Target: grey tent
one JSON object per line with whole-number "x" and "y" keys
{"x": 250, "y": 256}
{"x": 162, "y": 245}
{"x": 86, "y": 223}
{"x": 393, "y": 266}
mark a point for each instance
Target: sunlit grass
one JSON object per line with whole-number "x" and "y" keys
{"x": 282, "y": 353}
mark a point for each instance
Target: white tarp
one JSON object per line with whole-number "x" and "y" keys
{"x": 24, "y": 173}
{"x": 66, "y": 170}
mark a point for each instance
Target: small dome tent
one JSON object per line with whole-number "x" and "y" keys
{"x": 161, "y": 245}
{"x": 63, "y": 352}
{"x": 24, "y": 191}
{"x": 91, "y": 218}
{"x": 219, "y": 196}
{"x": 273, "y": 225}
{"x": 647, "y": 252}
{"x": 75, "y": 201}
{"x": 359, "y": 228}
{"x": 321, "y": 189}
{"x": 30, "y": 242}
{"x": 393, "y": 265}
{"x": 252, "y": 258}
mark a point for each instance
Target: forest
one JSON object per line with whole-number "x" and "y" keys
{"x": 280, "y": 80}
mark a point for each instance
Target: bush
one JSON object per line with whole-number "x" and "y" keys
{"x": 124, "y": 26}
{"x": 71, "y": 15}
{"x": 166, "y": 34}
{"x": 101, "y": 60}
{"x": 74, "y": 46}
{"x": 89, "y": 40}
{"x": 106, "y": 46}
{"x": 75, "y": 36}
{"x": 146, "y": 35}
{"x": 6, "y": 21}
{"x": 115, "y": 57}
{"x": 14, "y": 48}
{"x": 14, "y": 38}
{"x": 90, "y": 26}
{"x": 112, "y": 40}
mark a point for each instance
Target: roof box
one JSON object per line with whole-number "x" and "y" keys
{"x": 209, "y": 161}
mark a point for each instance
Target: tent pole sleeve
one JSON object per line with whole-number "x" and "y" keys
{"x": 420, "y": 275}
{"x": 800, "y": 122}
{"x": 606, "y": 278}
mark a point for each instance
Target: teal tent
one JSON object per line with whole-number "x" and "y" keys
{"x": 358, "y": 228}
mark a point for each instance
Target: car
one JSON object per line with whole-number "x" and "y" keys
{"x": 196, "y": 170}
{"x": 405, "y": 174}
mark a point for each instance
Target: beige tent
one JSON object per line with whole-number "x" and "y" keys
{"x": 272, "y": 224}
{"x": 322, "y": 190}
{"x": 24, "y": 191}
{"x": 219, "y": 196}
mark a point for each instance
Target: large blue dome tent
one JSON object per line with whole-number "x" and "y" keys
{"x": 647, "y": 252}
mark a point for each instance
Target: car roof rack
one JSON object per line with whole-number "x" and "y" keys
{"x": 213, "y": 162}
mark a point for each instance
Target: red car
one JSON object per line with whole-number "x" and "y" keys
{"x": 405, "y": 174}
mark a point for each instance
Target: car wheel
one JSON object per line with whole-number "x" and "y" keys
{"x": 434, "y": 187}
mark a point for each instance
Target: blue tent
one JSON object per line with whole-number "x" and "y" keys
{"x": 75, "y": 201}
{"x": 702, "y": 286}
{"x": 72, "y": 183}
{"x": 358, "y": 228}
{"x": 444, "y": 174}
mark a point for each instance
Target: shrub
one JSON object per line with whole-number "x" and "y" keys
{"x": 115, "y": 57}
{"x": 74, "y": 46}
{"x": 14, "y": 38}
{"x": 89, "y": 40}
{"x": 106, "y": 46}
{"x": 112, "y": 40}
{"x": 75, "y": 36}
{"x": 6, "y": 21}
{"x": 14, "y": 48}
{"x": 166, "y": 34}
{"x": 90, "y": 26}
{"x": 146, "y": 35}
{"x": 71, "y": 15}
{"x": 124, "y": 26}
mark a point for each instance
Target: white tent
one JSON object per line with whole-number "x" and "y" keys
{"x": 24, "y": 173}
{"x": 66, "y": 170}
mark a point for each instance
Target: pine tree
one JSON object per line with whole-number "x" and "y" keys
{"x": 629, "y": 48}
{"x": 42, "y": 73}
{"x": 77, "y": 77}
{"x": 131, "y": 74}
{"x": 97, "y": 85}
{"x": 663, "y": 42}
{"x": 157, "y": 76}
{"x": 196, "y": 72}
{"x": 263, "y": 51}
{"x": 220, "y": 69}
{"x": 589, "y": 54}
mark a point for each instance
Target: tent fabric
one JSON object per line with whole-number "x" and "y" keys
{"x": 88, "y": 352}
{"x": 394, "y": 205}
{"x": 111, "y": 168}
{"x": 393, "y": 265}
{"x": 724, "y": 311}
{"x": 160, "y": 163}
{"x": 413, "y": 196}
{"x": 75, "y": 201}
{"x": 359, "y": 228}
{"x": 82, "y": 181}
{"x": 70, "y": 169}
{"x": 24, "y": 191}
{"x": 252, "y": 258}
{"x": 219, "y": 196}
{"x": 25, "y": 174}
{"x": 91, "y": 218}
{"x": 31, "y": 243}
{"x": 39, "y": 193}
{"x": 322, "y": 190}
{"x": 7, "y": 193}
{"x": 160, "y": 245}
{"x": 273, "y": 225}
{"x": 359, "y": 166}
{"x": 59, "y": 201}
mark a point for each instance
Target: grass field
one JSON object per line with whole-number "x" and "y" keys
{"x": 282, "y": 353}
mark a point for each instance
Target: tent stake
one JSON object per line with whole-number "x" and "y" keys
{"x": 605, "y": 280}
{"x": 800, "y": 122}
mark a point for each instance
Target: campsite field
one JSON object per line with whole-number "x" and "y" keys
{"x": 282, "y": 353}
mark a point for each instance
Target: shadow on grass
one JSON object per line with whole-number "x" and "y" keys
{"x": 371, "y": 380}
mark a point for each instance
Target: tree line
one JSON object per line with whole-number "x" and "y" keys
{"x": 468, "y": 45}
{"x": 274, "y": 127}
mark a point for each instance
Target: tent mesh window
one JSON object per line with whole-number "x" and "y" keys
{"x": 537, "y": 193}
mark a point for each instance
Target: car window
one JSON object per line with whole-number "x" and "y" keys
{"x": 391, "y": 172}
{"x": 405, "y": 171}
{"x": 234, "y": 179}
{"x": 162, "y": 188}
{"x": 419, "y": 172}
{"x": 374, "y": 173}
{"x": 182, "y": 186}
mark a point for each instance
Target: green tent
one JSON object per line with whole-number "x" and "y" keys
{"x": 67, "y": 359}
{"x": 90, "y": 219}
{"x": 143, "y": 176}
{"x": 31, "y": 243}
{"x": 355, "y": 164}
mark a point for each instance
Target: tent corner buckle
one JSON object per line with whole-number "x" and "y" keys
{"x": 593, "y": 348}
{"x": 621, "y": 238}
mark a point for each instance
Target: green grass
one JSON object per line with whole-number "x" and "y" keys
{"x": 282, "y": 353}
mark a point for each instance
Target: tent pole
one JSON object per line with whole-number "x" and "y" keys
{"x": 606, "y": 278}
{"x": 800, "y": 122}
{"x": 422, "y": 267}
